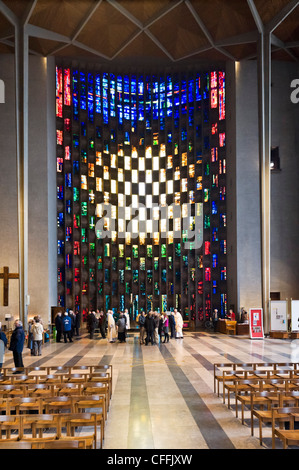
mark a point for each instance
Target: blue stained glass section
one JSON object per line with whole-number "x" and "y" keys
{"x": 105, "y": 98}
{"x": 112, "y": 95}
{"x": 90, "y": 98}
{"x": 119, "y": 91}
{"x": 98, "y": 94}
{"x": 75, "y": 95}
{"x": 83, "y": 91}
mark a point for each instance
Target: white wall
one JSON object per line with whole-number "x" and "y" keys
{"x": 41, "y": 188}
{"x": 8, "y": 187}
{"x": 284, "y": 184}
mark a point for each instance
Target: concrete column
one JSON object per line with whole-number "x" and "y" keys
{"x": 264, "y": 104}
{"x": 21, "y": 66}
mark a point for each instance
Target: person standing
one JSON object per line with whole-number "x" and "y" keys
{"x": 91, "y": 323}
{"x": 150, "y": 328}
{"x": 67, "y": 327}
{"x": 30, "y": 336}
{"x": 156, "y": 318}
{"x": 77, "y": 323}
{"x": 37, "y": 336}
{"x": 17, "y": 344}
{"x": 141, "y": 322}
{"x": 166, "y": 327}
{"x": 73, "y": 319}
{"x": 172, "y": 325}
{"x": 58, "y": 326}
{"x": 121, "y": 328}
{"x": 3, "y": 344}
{"x": 111, "y": 334}
{"x": 102, "y": 322}
{"x": 128, "y": 323}
{"x": 215, "y": 318}
{"x": 178, "y": 324}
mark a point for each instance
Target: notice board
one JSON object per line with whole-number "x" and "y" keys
{"x": 295, "y": 315}
{"x": 256, "y": 328}
{"x": 279, "y": 315}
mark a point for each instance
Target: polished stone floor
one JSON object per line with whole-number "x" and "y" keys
{"x": 163, "y": 395}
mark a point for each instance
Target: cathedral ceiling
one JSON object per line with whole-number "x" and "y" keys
{"x": 153, "y": 32}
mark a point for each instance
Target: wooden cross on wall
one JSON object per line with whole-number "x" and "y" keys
{"x": 6, "y": 275}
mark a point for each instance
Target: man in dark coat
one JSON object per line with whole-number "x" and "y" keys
{"x": 91, "y": 323}
{"x": 17, "y": 343}
{"x": 102, "y": 323}
{"x": 77, "y": 323}
{"x": 172, "y": 325}
{"x": 149, "y": 328}
{"x": 58, "y": 326}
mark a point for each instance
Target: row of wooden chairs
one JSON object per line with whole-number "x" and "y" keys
{"x": 230, "y": 371}
{"x": 61, "y": 375}
{"x": 49, "y": 444}
{"x": 275, "y": 407}
{"x": 240, "y": 385}
{"x": 16, "y": 391}
{"x": 38, "y": 428}
{"x": 57, "y": 391}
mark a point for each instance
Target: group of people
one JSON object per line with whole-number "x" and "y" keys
{"x": 215, "y": 317}
{"x": 96, "y": 320}
{"x": 67, "y": 324}
{"x": 118, "y": 329}
{"x": 155, "y": 326}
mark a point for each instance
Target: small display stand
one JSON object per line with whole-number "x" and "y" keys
{"x": 279, "y": 323}
{"x": 256, "y": 328}
{"x": 294, "y": 319}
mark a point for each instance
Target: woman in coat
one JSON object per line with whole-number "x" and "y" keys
{"x": 37, "y": 334}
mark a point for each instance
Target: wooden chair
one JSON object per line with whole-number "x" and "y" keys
{"x": 78, "y": 420}
{"x": 25, "y": 405}
{"x": 98, "y": 388}
{"x": 23, "y": 379}
{"x": 38, "y": 423}
{"x": 76, "y": 378}
{"x": 37, "y": 372}
{"x": 102, "y": 377}
{"x": 41, "y": 390}
{"x": 60, "y": 370}
{"x": 58, "y": 404}
{"x": 234, "y": 385}
{"x": 70, "y": 389}
{"x": 77, "y": 443}
{"x": 278, "y": 399}
{"x": 50, "y": 379}
{"x": 11, "y": 445}
{"x": 10, "y": 423}
{"x": 231, "y": 327}
{"x": 10, "y": 391}
{"x": 287, "y": 436}
{"x": 95, "y": 403}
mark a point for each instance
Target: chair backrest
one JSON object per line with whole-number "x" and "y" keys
{"x": 61, "y": 444}
{"x": 5, "y": 444}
